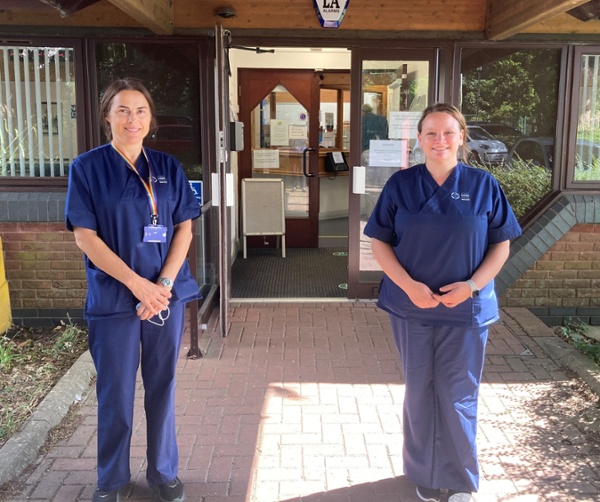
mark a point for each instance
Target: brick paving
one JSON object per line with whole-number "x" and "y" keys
{"x": 302, "y": 402}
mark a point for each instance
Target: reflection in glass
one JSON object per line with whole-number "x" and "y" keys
{"x": 38, "y": 112}
{"x": 279, "y": 136}
{"x": 206, "y": 273}
{"x": 512, "y": 94}
{"x": 394, "y": 93}
{"x": 171, "y": 74}
{"x": 587, "y": 148}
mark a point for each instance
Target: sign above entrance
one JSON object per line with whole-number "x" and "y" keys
{"x": 331, "y": 12}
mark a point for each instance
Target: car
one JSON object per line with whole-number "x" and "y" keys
{"x": 508, "y": 135}
{"x": 540, "y": 152}
{"x": 483, "y": 147}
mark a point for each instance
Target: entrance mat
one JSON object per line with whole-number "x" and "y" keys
{"x": 303, "y": 273}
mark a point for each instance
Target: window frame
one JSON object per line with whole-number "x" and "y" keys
{"x": 560, "y": 129}
{"x": 570, "y": 183}
{"x": 53, "y": 183}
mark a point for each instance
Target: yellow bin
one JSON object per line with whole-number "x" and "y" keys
{"x": 5, "y": 313}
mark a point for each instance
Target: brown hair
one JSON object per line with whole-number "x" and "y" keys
{"x": 454, "y": 113}
{"x": 114, "y": 88}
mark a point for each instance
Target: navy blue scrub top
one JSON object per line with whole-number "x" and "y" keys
{"x": 440, "y": 235}
{"x": 106, "y": 196}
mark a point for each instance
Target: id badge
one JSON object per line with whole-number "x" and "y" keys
{"x": 155, "y": 233}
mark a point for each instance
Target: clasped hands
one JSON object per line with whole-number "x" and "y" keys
{"x": 450, "y": 295}
{"x": 153, "y": 298}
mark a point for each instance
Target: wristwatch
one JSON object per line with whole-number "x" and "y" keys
{"x": 166, "y": 282}
{"x": 474, "y": 288}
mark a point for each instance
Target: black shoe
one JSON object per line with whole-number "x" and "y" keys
{"x": 169, "y": 492}
{"x": 100, "y": 496}
{"x": 429, "y": 494}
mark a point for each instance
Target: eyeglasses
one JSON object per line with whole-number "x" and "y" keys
{"x": 162, "y": 318}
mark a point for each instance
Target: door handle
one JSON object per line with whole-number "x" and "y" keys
{"x": 304, "y": 165}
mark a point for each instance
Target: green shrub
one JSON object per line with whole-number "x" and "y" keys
{"x": 585, "y": 171}
{"x": 524, "y": 184}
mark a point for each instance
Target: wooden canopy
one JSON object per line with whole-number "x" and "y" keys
{"x": 494, "y": 19}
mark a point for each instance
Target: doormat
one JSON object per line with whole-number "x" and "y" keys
{"x": 304, "y": 273}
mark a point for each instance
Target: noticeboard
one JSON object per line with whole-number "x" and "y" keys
{"x": 262, "y": 208}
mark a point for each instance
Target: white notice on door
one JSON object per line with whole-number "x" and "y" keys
{"x": 265, "y": 159}
{"x": 280, "y": 135}
{"x": 387, "y": 153}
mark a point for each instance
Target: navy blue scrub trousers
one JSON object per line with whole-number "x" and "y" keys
{"x": 115, "y": 346}
{"x": 442, "y": 368}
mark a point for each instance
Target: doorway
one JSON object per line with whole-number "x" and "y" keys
{"x": 294, "y": 120}
{"x": 296, "y": 126}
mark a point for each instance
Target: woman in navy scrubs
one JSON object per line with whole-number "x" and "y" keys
{"x": 441, "y": 232}
{"x": 131, "y": 210}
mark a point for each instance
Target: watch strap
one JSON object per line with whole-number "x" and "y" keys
{"x": 166, "y": 282}
{"x": 474, "y": 288}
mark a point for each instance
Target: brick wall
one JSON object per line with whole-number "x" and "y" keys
{"x": 565, "y": 281}
{"x": 44, "y": 271}
{"x": 554, "y": 268}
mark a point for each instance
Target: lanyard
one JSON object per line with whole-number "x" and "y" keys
{"x": 148, "y": 186}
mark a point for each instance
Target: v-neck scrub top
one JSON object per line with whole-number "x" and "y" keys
{"x": 106, "y": 196}
{"x": 440, "y": 235}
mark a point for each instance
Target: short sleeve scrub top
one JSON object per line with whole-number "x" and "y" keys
{"x": 106, "y": 196}
{"x": 440, "y": 235}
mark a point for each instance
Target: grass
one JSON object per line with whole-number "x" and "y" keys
{"x": 32, "y": 361}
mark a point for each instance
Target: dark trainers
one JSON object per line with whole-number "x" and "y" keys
{"x": 169, "y": 492}
{"x": 100, "y": 496}
{"x": 429, "y": 494}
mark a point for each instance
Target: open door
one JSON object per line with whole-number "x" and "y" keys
{"x": 222, "y": 177}
{"x": 390, "y": 89}
{"x": 280, "y": 113}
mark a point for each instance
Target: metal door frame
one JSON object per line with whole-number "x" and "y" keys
{"x": 356, "y": 289}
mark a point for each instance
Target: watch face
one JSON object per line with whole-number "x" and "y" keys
{"x": 167, "y": 283}
{"x": 475, "y": 293}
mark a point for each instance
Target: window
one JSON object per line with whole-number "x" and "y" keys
{"x": 38, "y": 134}
{"x": 512, "y": 93}
{"x": 587, "y": 145}
{"x": 171, "y": 74}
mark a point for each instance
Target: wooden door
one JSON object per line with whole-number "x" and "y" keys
{"x": 280, "y": 113}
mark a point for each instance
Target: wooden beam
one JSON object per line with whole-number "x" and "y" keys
{"x": 68, "y": 7}
{"x": 157, "y": 15}
{"x": 508, "y": 17}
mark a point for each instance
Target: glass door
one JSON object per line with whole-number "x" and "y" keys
{"x": 280, "y": 112}
{"x": 390, "y": 89}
